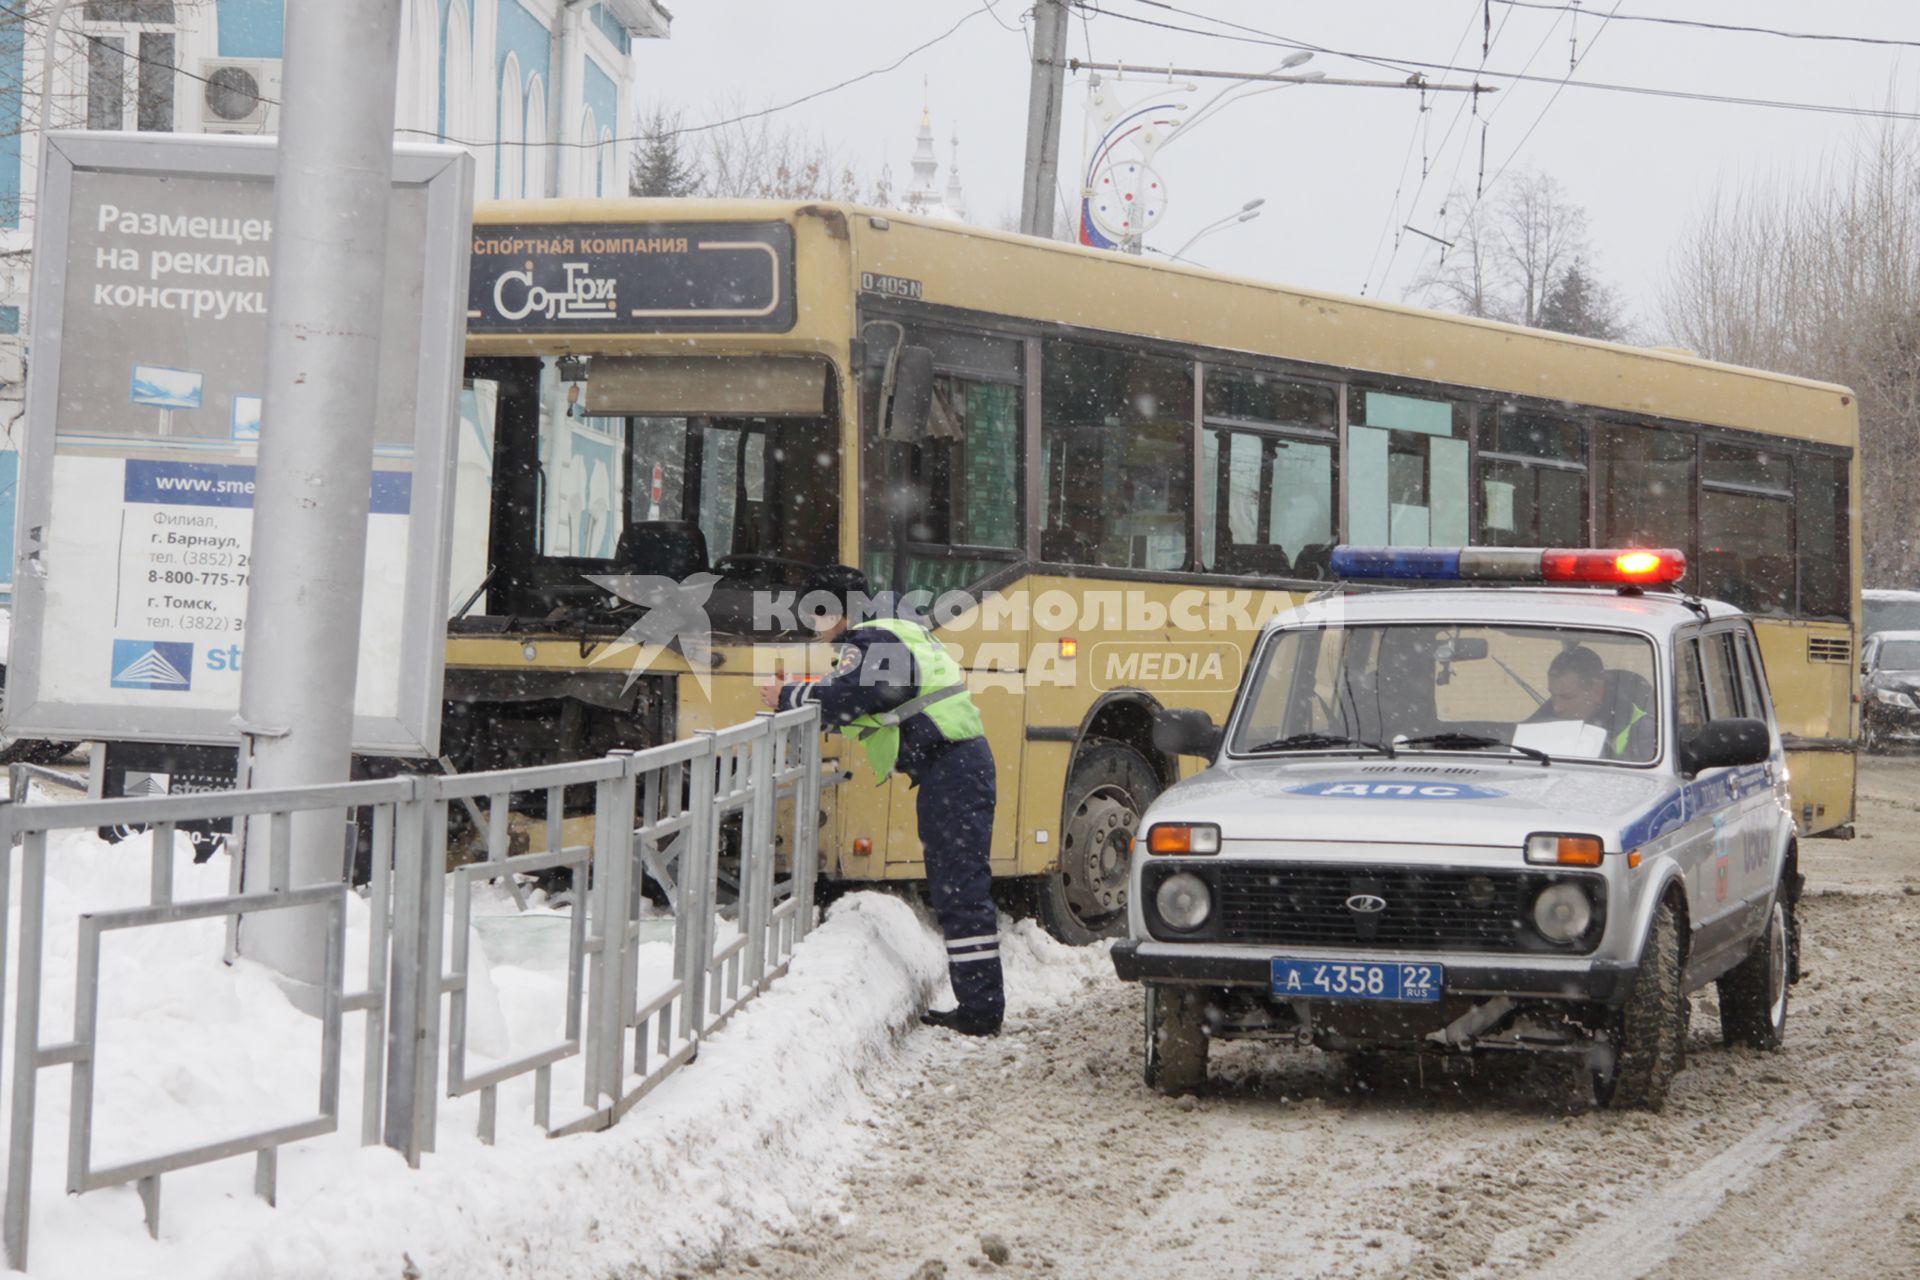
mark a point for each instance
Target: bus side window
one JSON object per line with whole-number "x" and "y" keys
{"x": 1117, "y": 431}
{"x": 1644, "y": 481}
{"x": 1267, "y": 475}
{"x": 966, "y": 486}
{"x": 1820, "y": 526}
{"x": 1533, "y": 481}
{"x": 1406, "y": 471}
{"x": 1746, "y": 527}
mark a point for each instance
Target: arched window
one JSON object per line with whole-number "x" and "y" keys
{"x": 457, "y": 96}
{"x": 511, "y": 162}
{"x": 584, "y": 163}
{"x": 535, "y": 153}
{"x": 484, "y": 112}
{"x": 418, "y": 106}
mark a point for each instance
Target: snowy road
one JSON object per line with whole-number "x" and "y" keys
{"x": 1761, "y": 1164}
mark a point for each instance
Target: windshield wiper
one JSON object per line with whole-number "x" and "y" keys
{"x": 1313, "y": 739}
{"x": 1473, "y": 742}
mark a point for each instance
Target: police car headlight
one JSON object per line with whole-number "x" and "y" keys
{"x": 1184, "y": 901}
{"x": 1562, "y": 913}
{"x": 1183, "y": 837}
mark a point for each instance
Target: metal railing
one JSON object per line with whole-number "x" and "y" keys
{"x": 719, "y": 810}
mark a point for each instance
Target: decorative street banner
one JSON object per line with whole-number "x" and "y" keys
{"x": 144, "y": 417}
{"x": 713, "y": 277}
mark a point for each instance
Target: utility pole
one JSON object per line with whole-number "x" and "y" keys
{"x": 333, "y": 180}
{"x": 1045, "y": 93}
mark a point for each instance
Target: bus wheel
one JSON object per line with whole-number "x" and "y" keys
{"x": 1085, "y": 898}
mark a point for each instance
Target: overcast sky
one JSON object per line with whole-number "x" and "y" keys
{"x": 1328, "y": 160}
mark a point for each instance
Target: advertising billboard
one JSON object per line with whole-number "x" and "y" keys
{"x": 145, "y": 410}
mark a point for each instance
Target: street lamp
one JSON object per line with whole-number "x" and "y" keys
{"x": 1245, "y": 213}
{"x": 1296, "y": 60}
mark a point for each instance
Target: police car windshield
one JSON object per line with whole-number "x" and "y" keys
{"x": 1573, "y": 694}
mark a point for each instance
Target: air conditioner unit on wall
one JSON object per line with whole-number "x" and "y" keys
{"x": 239, "y": 95}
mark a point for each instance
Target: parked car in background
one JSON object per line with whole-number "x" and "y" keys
{"x": 1889, "y": 689}
{"x": 1886, "y": 609}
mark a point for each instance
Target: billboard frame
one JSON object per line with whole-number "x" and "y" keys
{"x": 446, "y": 173}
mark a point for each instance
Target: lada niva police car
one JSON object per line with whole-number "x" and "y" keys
{"x": 1476, "y": 818}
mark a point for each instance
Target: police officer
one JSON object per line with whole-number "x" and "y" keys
{"x": 1579, "y": 687}
{"x": 898, "y": 693}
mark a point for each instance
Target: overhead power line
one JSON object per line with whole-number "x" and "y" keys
{"x": 1820, "y": 108}
{"x": 1490, "y": 38}
{"x": 1199, "y": 73}
{"x": 1717, "y": 26}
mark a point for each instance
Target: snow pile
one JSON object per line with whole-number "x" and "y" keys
{"x": 1044, "y": 971}
{"x": 739, "y": 1145}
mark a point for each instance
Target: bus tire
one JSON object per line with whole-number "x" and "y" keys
{"x": 1753, "y": 995}
{"x": 1084, "y": 897}
{"x": 1176, "y": 1039}
{"x": 1650, "y": 1031}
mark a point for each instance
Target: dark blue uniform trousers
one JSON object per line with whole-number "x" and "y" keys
{"x": 956, "y": 799}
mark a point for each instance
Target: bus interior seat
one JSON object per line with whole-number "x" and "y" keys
{"x": 1255, "y": 560}
{"x": 674, "y": 549}
{"x": 1064, "y": 544}
{"x": 1772, "y": 579}
{"x": 1315, "y": 562}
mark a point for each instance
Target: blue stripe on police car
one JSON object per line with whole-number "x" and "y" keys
{"x": 1386, "y": 789}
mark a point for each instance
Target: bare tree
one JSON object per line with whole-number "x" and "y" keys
{"x": 1522, "y": 256}
{"x": 1823, "y": 280}
{"x": 755, "y": 159}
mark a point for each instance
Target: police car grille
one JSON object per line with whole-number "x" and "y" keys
{"x": 1426, "y": 910}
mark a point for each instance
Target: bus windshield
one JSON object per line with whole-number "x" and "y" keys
{"x": 666, "y": 468}
{"x": 1578, "y": 693}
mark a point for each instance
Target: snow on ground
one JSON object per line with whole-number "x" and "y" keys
{"x": 740, "y": 1146}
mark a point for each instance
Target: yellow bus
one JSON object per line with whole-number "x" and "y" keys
{"x": 1106, "y": 469}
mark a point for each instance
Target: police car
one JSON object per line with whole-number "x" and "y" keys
{"x": 1476, "y": 818}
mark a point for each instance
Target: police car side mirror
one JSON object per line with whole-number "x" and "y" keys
{"x": 1726, "y": 744}
{"x": 1186, "y": 731}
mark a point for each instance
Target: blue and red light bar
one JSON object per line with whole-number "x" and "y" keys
{"x": 1597, "y": 567}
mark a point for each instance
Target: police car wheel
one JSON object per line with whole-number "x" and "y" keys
{"x": 1753, "y": 997}
{"x": 1650, "y": 1032}
{"x": 1176, "y": 1039}
{"x": 1085, "y": 898}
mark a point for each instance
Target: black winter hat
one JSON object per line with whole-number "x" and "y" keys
{"x": 843, "y": 583}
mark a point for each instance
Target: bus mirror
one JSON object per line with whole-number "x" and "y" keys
{"x": 911, "y": 398}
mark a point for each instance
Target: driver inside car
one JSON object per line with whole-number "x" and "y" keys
{"x": 1579, "y": 687}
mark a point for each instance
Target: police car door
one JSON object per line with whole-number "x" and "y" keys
{"x": 1724, "y": 800}
{"x": 1768, "y": 816}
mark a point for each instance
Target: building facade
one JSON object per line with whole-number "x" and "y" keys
{"x": 538, "y": 90}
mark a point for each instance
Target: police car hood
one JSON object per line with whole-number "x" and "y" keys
{"x": 1420, "y": 800}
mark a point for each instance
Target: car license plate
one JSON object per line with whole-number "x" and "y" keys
{"x": 1357, "y": 980}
